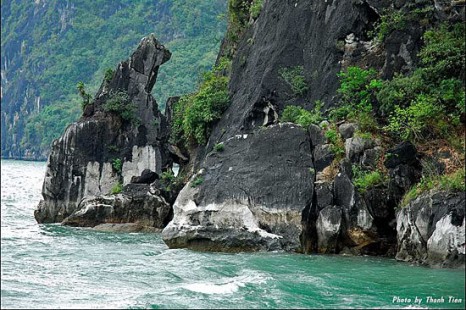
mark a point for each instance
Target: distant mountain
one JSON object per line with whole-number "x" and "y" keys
{"x": 48, "y": 46}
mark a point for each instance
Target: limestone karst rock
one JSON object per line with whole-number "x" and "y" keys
{"x": 121, "y": 133}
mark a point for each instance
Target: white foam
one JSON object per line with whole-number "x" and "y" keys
{"x": 225, "y": 285}
{"x": 207, "y": 288}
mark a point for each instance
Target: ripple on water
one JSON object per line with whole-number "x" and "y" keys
{"x": 52, "y": 266}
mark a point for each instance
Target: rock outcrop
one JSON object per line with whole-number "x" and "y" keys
{"x": 348, "y": 220}
{"x": 431, "y": 230}
{"x": 248, "y": 196}
{"x": 120, "y": 135}
{"x": 328, "y": 213}
{"x": 138, "y": 205}
{"x": 260, "y": 184}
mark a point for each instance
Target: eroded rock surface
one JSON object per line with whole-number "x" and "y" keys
{"x": 137, "y": 208}
{"x": 249, "y": 196}
{"x": 431, "y": 230}
{"x": 103, "y": 148}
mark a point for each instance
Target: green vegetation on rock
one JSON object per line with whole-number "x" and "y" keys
{"x": 170, "y": 181}
{"x": 194, "y": 114}
{"x": 301, "y": 116}
{"x": 117, "y": 165}
{"x": 51, "y": 46}
{"x": 118, "y": 188}
{"x": 256, "y": 8}
{"x": 452, "y": 182}
{"x": 219, "y": 147}
{"x": 337, "y": 144}
{"x": 119, "y": 103}
{"x": 84, "y": 95}
{"x": 197, "y": 181}
{"x": 358, "y": 88}
{"x": 428, "y": 103}
{"x": 294, "y": 78}
{"x": 364, "y": 180}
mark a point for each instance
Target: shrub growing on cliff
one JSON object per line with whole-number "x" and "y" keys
{"x": 170, "y": 181}
{"x": 364, "y": 180}
{"x": 118, "y": 102}
{"x": 358, "y": 88}
{"x": 294, "y": 77}
{"x": 301, "y": 116}
{"x": 429, "y": 102}
{"x": 109, "y": 75}
{"x": 390, "y": 20}
{"x": 443, "y": 54}
{"x": 117, "y": 165}
{"x": 219, "y": 147}
{"x": 195, "y": 114}
{"x": 256, "y": 7}
{"x": 118, "y": 188}
{"x": 197, "y": 181}
{"x": 84, "y": 95}
{"x": 451, "y": 182}
{"x": 239, "y": 12}
{"x": 337, "y": 144}
{"x": 422, "y": 118}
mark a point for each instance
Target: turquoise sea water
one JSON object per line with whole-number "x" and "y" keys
{"x": 50, "y": 266}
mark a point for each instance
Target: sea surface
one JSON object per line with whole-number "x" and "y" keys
{"x": 50, "y": 266}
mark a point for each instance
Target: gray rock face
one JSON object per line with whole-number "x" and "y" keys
{"x": 308, "y": 34}
{"x": 404, "y": 169}
{"x": 347, "y": 130}
{"x": 431, "y": 230}
{"x": 329, "y": 228}
{"x": 137, "y": 206}
{"x": 82, "y": 161}
{"x": 355, "y": 147}
{"x": 252, "y": 194}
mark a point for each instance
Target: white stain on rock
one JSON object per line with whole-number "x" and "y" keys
{"x": 143, "y": 158}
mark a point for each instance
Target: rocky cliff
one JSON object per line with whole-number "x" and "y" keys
{"x": 280, "y": 186}
{"x": 262, "y": 183}
{"x": 120, "y": 135}
{"x": 431, "y": 230}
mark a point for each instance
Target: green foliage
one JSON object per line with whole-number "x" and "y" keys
{"x": 338, "y": 147}
{"x": 364, "y": 180}
{"x": 238, "y": 17}
{"x": 358, "y": 89}
{"x": 219, "y": 147}
{"x": 112, "y": 148}
{"x": 167, "y": 178}
{"x": 443, "y": 54}
{"x": 94, "y": 35}
{"x": 42, "y": 127}
{"x": 109, "y": 75}
{"x": 118, "y": 188}
{"x": 84, "y": 95}
{"x": 451, "y": 182}
{"x": 357, "y": 86}
{"x": 294, "y": 77}
{"x": 301, "y": 116}
{"x": 422, "y": 118}
{"x": 117, "y": 165}
{"x": 428, "y": 103}
{"x": 363, "y": 135}
{"x": 170, "y": 181}
{"x": 118, "y": 102}
{"x": 390, "y": 21}
{"x": 195, "y": 114}
{"x": 401, "y": 90}
{"x": 197, "y": 181}
{"x": 256, "y": 8}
